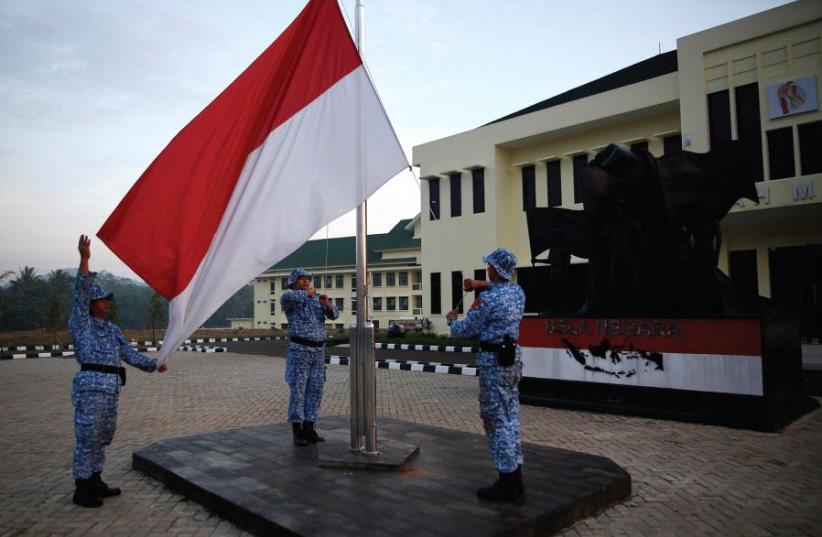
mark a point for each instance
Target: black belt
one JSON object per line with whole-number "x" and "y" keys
{"x": 114, "y": 370}
{"x": 306, "y": 342}
{"x": 491, "y": 347}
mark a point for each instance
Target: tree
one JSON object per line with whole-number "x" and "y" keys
{"x": 26, "y": 301}
{"x": 3, "y": 276}
{"x": 55, "y": 318}
{"x": 155, "y": 315}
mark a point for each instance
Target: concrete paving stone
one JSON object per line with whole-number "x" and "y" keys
{"x": 778, "y": 475}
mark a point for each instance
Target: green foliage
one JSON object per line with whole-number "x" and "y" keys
{"x": 155, "y": 314}
{"x": 29, "y": 301}
{"x": 26, "y": 301}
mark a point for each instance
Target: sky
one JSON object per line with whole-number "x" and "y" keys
{"x": 92, "y": 90}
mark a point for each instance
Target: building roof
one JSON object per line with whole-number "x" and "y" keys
{"x": 658, "y": 65}
{"x": 342, "y": 252}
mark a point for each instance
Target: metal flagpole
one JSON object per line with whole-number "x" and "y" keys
{"x": 362, "y": 374}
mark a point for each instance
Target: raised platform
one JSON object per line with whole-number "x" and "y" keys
{"x": 256, "y": 478}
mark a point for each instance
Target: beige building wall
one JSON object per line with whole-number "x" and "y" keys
{"x": 407, "y": 296}
{"x": 773, "y": 46}
{"x": 646, "y": 111}
{"x": 767, "y": 48}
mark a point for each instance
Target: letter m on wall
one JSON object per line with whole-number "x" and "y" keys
{"x": 803, "y": 191}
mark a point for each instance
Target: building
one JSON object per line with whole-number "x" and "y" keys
{"x": 755, "y": 79}
{"x": 395, "y": 290}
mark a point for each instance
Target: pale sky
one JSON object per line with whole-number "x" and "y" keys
{"x": 92, "y": 90}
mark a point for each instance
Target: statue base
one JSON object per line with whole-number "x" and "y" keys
{"x": 739, "y": 372}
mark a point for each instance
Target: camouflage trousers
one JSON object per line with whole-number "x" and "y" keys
{"x": 499, "y": 410}
{"x": 305, "y": 375}
{"x": 95, "y": 419}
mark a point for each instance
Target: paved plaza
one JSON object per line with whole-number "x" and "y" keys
{"x": 687, "y": 479}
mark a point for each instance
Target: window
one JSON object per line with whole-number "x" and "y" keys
{"x": 339, "y": 302}
{"x": 273, "y": 286}
{"x": 748, "y": 127}
{"x": 436, "y": 299}
{"x": 273, "y": 307}
{"x": 780, "y": 153}
{"x": 283, "y": 283}
{"x": 719, "y": 117}
{"x": 418, "y": 302}
{"x": 376, "y": 279}
{"x": 643, "y": 145}
{"x": 479, "y": 274}
{"x": 338, "y": 281}
{"x": 329, "y": 282}
{"x": 671, "y": 143}
{"x": 390, "y": 280}
{"x": 403, "y": 303}
{"x": 810, "y": 142}
{"x": 391, "y": 303}
{"x": 377, "y": 303}
{"x": 434, "y": 199}
{"x": 580, "y": 164}
{"x": 318, "y": 282}
{"x": 554, "y": 175}
{"x": 403, "y": 279}
{"x": 742, "y": 268}
{"x": 284, "y": 326}
{"x": 456, "y": 194}
{"x": 478, "y": 180}
{"x": 354, "y": 283}
{"x": 353, "y": 305}
{"x": 529, "y": 188}
{"x": 456, "y": 290}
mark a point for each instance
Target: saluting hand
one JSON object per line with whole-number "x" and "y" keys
{"x": 84, "y": 247}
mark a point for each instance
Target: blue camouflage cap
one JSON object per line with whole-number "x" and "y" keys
{"x": 97, "y": 292}
{"x": 503, "y": 260}
{"x": 296, "y": 273}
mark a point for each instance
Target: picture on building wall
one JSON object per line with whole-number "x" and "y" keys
{"x": 792, "y": 97}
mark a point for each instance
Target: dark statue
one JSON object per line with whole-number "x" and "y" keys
{"x": 650, "y": 231}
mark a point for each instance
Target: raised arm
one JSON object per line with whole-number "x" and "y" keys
{"x": 81, "y": 300}
{"x": 472, "y": 324}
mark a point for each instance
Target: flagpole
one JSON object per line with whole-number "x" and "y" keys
{"x": 362, "y": 374}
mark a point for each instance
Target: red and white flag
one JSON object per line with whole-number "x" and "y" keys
{"x": 297, "y": 140}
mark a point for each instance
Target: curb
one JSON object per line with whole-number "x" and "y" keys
{"x": 412, "y": 365}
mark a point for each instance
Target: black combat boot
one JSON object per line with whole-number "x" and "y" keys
{"x": 310, "y": 434}
{"x": 518, "y": 478}
{"x": 83, "y": 494}
{"x": 507, "y": 488}
{"x": 99, "y": 488}
{"x": 299, "y": 434}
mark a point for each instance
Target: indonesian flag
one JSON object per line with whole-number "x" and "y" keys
{"x": 297, "y": 140}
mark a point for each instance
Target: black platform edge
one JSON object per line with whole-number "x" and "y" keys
{"x": 735, "y": 411}
{"x": 614, "y": 485}
{"x": 246, "y": 519}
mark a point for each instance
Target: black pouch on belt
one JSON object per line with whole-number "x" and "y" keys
{"x": 507, "y": 353}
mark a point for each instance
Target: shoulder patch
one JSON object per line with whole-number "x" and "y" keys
{"x": 476, "y": 304}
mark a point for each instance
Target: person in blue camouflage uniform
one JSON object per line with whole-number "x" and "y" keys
{"x": 99, "y": 346}
{"x": 305, "y": 362}
{"x": 497, "y": 313}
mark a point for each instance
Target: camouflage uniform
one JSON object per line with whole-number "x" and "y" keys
{"x": 95, "y": 394}
{"x": 305, "y": 364}
{"x": 497, "y": 312}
